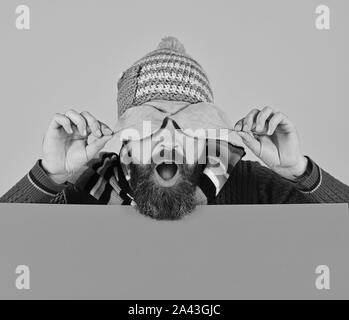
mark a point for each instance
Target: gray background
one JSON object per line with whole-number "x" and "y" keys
{"x": 219, "y": 252}
{"x": 256, "y": 53}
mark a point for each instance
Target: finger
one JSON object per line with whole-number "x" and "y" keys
{"x": 118, "y": 127}
{"x": 106, "y": 130}
{"x": 275, "y": 120}
{"x": 59, "y": 121}
{"x": 97, "y": 145}
{"x": 238, "y": 125}
{"x": 253, "y": 144}
{"x": 93, "y": 124}
{"x": 249, "y": 120}
{"x": 78, "y": 120}
{"x": 262, "y": 118}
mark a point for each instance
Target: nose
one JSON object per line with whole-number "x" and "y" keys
{"x": 169, "y": 122}
{"x": 166, "y": 149}
{"x": 169, "y": 140}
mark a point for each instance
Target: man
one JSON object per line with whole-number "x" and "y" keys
{"x": 170, "y": 90}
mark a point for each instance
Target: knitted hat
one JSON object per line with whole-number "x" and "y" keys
{"x": 166, "y": 73}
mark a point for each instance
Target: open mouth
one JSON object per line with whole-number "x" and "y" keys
{"x": 166, "y": 173}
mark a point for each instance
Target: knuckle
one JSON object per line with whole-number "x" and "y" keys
{"x": 81, "y": 120}
{"x": 65, "y": 120}
{"x": 253, "y": 112}
{"x": 246, "y": 120}
{"x": 272, "y": 121}
{"x": 250, "y": 117}
{"x": 82, "y": 125}
{"x": 271, "y": 127}
{"x": 267, "y": 109}
{"x": 86, "y": 114}
{"x": 95, "y": 122}
{"x": 261, "y": 117}
{"x": 70, "y": 111}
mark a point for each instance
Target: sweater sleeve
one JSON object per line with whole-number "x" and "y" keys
{"x": 252, "y": 183}
{"x": 319, "y": 186}
{"x": 314, "y": 186}
{"x": 36, "y": 187}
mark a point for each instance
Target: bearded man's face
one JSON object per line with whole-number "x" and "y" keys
{"x": 165, "y": 191}
{"x": 164, "y": 183}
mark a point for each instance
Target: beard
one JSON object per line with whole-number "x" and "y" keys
{"x": 164, "y": 203}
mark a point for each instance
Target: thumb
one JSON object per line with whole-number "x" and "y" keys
{"x": 97, "y": 145}
{"x": 250, "y": 141}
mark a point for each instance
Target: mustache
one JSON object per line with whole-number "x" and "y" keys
{"x": 164, "y": 203}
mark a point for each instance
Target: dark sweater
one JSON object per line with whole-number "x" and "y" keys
{"x": 249, "y": 183}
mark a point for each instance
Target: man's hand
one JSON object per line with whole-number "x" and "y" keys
{"x": 273, "y": 138}
{"x": 66, "y": 148}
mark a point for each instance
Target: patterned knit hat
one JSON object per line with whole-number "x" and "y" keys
{"x": 166, "y": 73}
